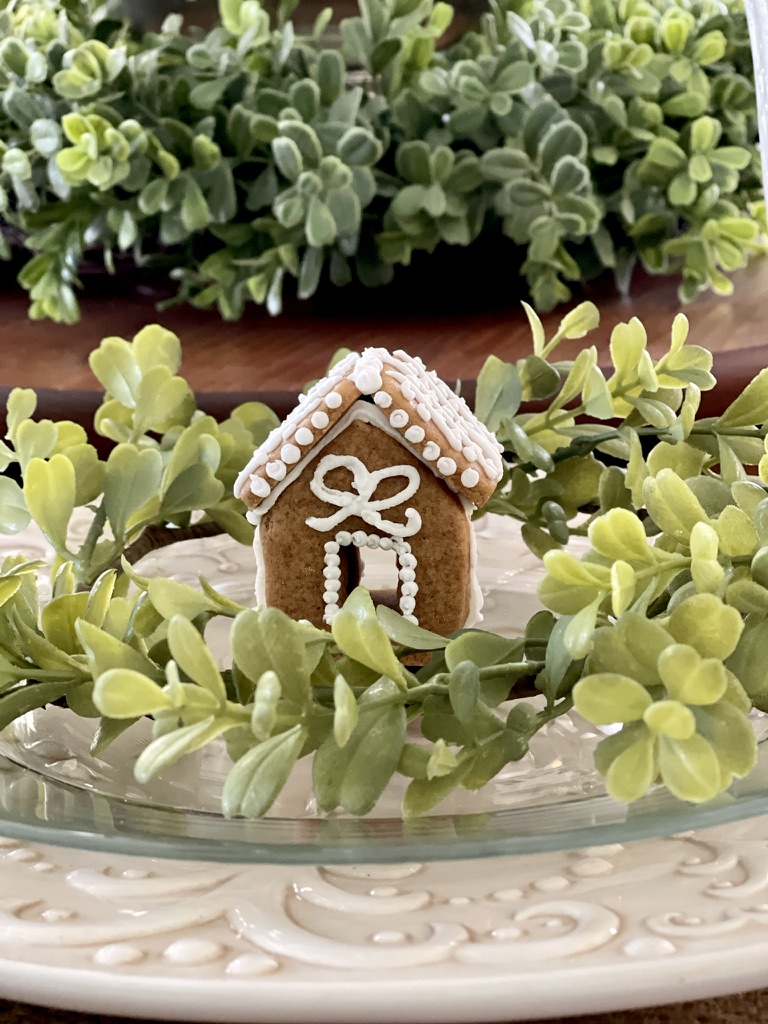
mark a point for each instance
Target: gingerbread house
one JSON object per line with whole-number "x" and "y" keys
{"x": 379, "y": 454}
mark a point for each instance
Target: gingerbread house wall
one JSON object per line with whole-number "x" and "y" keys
{"x": 292, "y": 554}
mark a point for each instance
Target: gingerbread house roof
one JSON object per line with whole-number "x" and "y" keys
{"x": 417, "y": 407}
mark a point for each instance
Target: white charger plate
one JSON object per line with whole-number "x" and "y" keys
{"x": 506, "y": 939}
{"x": 498, "y": 939}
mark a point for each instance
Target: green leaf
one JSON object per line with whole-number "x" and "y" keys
{"x": 632, "y": 771}
{"x": 357, "y": 631}
{"x": 167, "y": 749}
{"x": 14, "y": 515}
{"x": 706, "y": 623}
{"x": 49, "y": 492}
{"x": 106, "y": 652}
{"x": 123, "y": 693}
{"x": 266, "y": 639}
{"x": 499, "y": 392}
{"x": 194, "y": 657}
{"x": 265, "y": 701}
{"x": 30, "y": 696}
{"x": 750, "y": 407}
{"x": 131, "y": 479}
{"x": 354, "y": 776}
{"x": 690, "y": 768}
{"x": 402, "y": 631}
{"x": 346, "y": 712}
{"x": 259, "y": 775}
{"x": 320, "y": 225}
{"x": 607, "y": 697}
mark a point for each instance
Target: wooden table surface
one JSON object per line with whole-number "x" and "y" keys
{"x": 263, "y": 353}
{"x": 260, "y": 353}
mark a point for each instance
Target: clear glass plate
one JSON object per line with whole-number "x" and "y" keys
{"x": 52, "y": 790}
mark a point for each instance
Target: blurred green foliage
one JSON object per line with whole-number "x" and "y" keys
{"x": 591, "y": 135}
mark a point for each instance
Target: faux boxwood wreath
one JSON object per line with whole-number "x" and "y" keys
{"x": 591, "y": 136}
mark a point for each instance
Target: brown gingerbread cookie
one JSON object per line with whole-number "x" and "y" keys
{"x": 379, "y": 454}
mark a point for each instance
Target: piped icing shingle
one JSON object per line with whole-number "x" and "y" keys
{"x": 422, "y": 411}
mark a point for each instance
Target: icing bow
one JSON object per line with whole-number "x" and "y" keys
{"x": 358, "y": 501}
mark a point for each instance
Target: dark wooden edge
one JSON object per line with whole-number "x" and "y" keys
{"x": 732, "y": 369}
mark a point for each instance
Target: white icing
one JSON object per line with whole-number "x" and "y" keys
{"x": 359, "y": 501}
{"x": 408, "y": 561}
{"x": 446, "y": 466}
{"x": 470, "y": 478}
{"x": 407, "y": 575}
{"x": 415, "y": 434}
{"x": 429, "y": 398}
{"x": 332, "y": 547}
{"x": 259, "y": 486}
{"x": 276, "y": 470}
{"x": 289, "y": 453}
{"x": 367, "y": 379}
{"x": 430, "y": 451}
{"x": 320, "y": 420}
{"x": 332, "y": 572}
{"x": 359, "y": 538}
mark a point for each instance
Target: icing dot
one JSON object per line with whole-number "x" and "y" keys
{"x": 332, "y": 547}
{"x": 367, "y": 380}
{"x": 414, "y": 434}
{"x": 259, "y": 487}
{"x": 320, "y": 420}
{"x": 470, "y": 478}
{"x": 382, "y": 399}
{"x": 407, "y": 575}
{"x": 332, "y": 587}
{"x": 359, "y": 538}
{"x": 290, "y": 453}
{"x": 344, "y": 538}
{"x": 373, "y": 542}
{"x": 446, "y": 466}
{"x": 407, "y": 604}
{"x": 304, "y": 436}
{"x": 409, "y": 589}
{"x": 411, "y": 618}
{"x": 386, "y": 543}
{"x": 333, "y": 400}
{"x": 408, "y": 561}
{"x": 332, "y": 560}
{"x": 276, "y": 470}
{"x": 430, "y": 451}
{"x": 399, "y": 418}
{"x": 330, "y": 595}
{"x": 332, "y": 572}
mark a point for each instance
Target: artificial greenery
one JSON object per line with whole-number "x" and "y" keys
{"x": 662, "y": 626}
{"x": 588, "y": 135}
